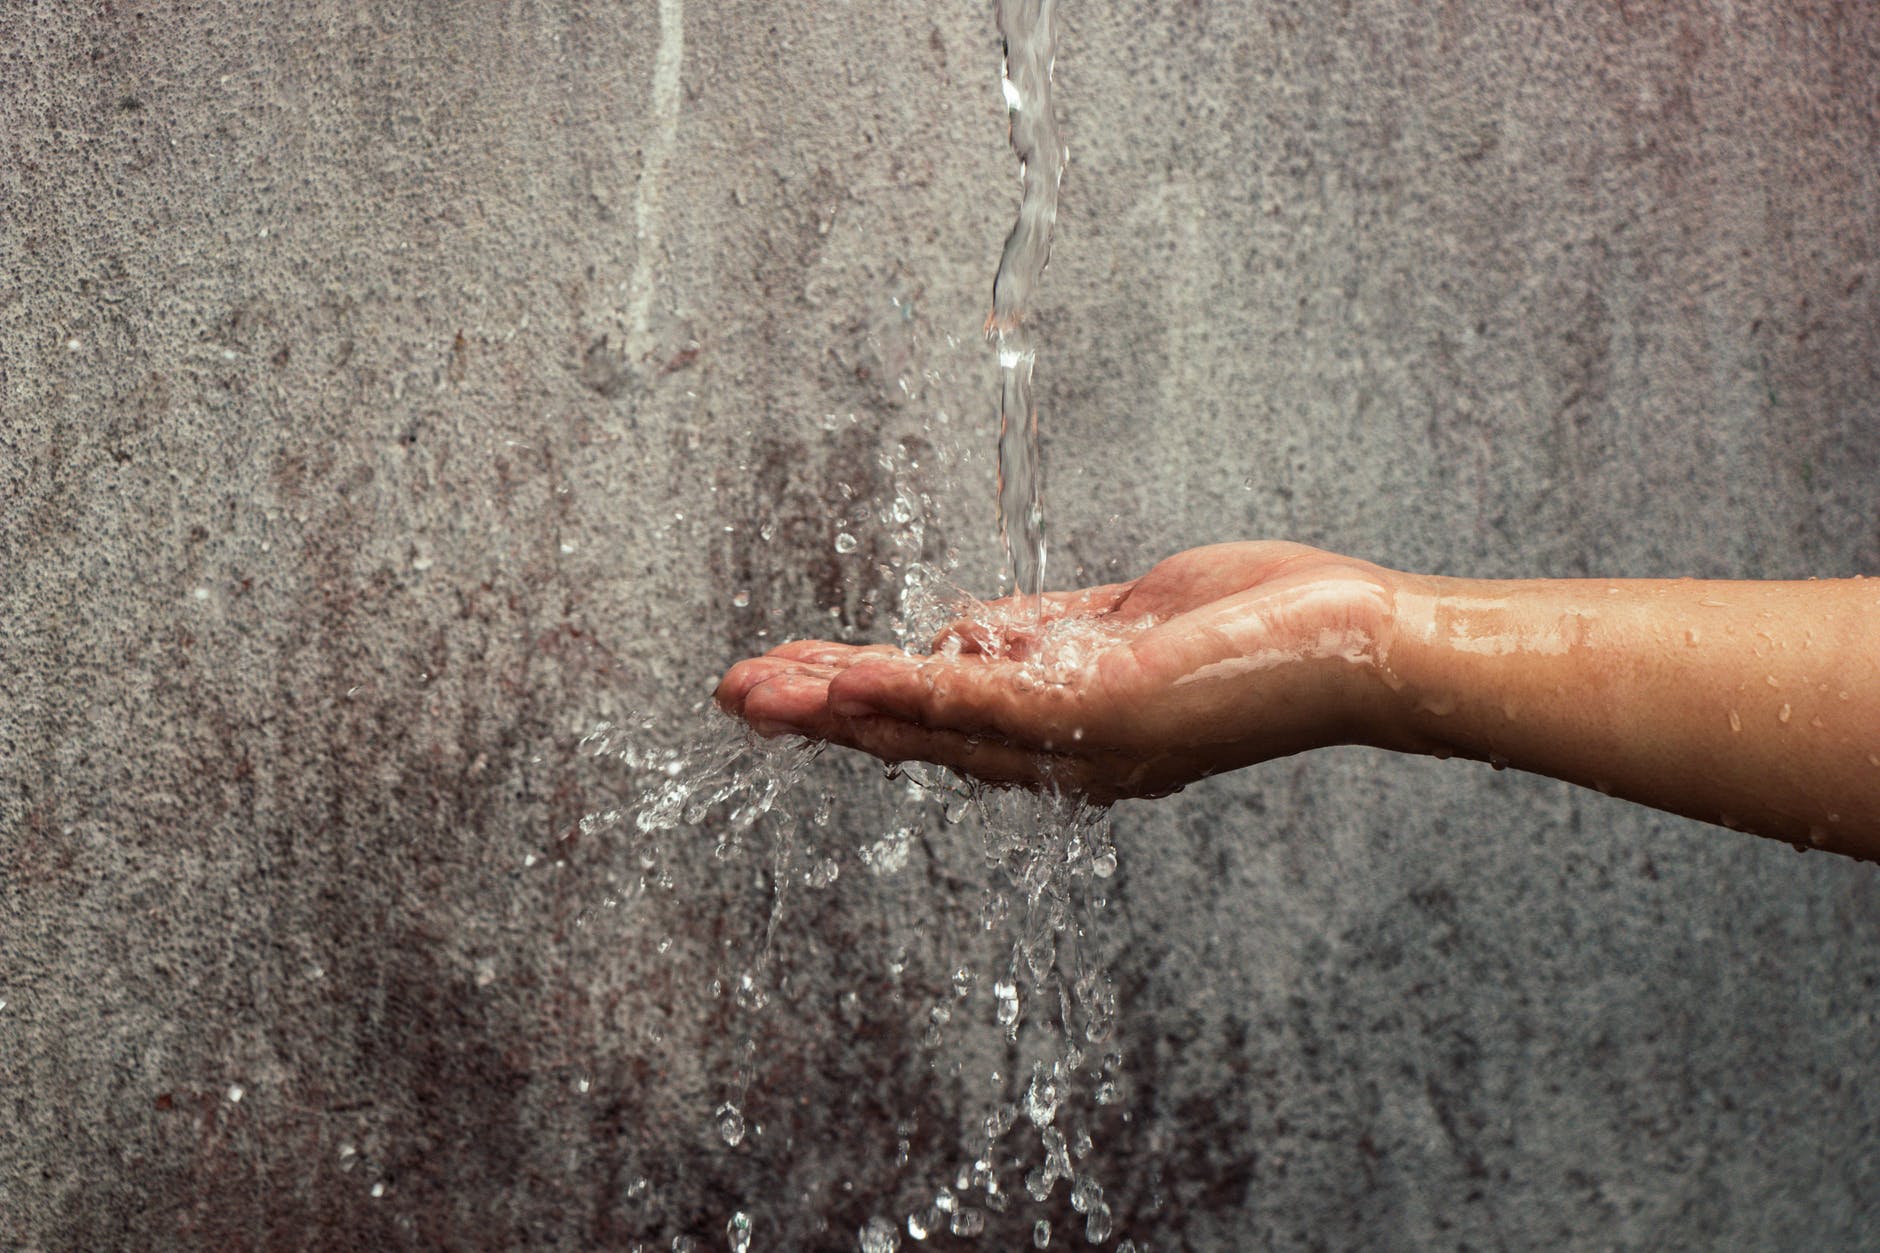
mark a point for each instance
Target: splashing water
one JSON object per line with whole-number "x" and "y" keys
{"x": 1044, "y": 1006}
{"x": 1048, "y": 859}
{"x": 1028, "y": 30}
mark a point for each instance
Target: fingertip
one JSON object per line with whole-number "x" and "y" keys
{"x": 736, "y": 684}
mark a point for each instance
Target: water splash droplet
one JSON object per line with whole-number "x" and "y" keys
{"x": 879, "y": 1236}
{"x": 925, "y": 1223}
{"x": 1041, "y": 1098}
{"x": 1007, "y": 994}
{"x": 730, "y": 1124}
{"x": 968, "y": 1222}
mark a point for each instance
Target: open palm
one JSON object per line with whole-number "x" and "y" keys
{"x": 1217, "y": 658}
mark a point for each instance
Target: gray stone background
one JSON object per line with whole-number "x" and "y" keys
{"x": 391, "y": 392}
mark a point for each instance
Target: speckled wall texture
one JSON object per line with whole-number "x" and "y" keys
{"x": 391, "y": 392}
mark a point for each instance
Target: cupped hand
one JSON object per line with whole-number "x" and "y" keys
{"x": 1217, "y": 658}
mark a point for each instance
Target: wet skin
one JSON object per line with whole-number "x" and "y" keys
{"x": 1753, "y": 705}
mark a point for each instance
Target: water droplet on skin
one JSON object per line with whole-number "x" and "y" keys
{"x": 1771, "y": 680}
{"x": 1736, "y": 723}
{"x": 1783, "y": 716}
{"x": 1690, "y": 637}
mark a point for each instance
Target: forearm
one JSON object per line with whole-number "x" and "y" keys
{"x": 1752, "y": 705}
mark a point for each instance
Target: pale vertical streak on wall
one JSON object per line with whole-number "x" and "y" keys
{"x": 647, "y": 207}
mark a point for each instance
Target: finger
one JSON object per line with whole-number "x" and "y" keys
{"x": 788, "y": 699}
{"x": 989, "y": 760}
{"x": 971, "y": 696}
{"x": 778, "y": 697}
{"x": 827, "y": 652}
{"x": 738, "y": 681}
{"x": 741, "y": 678}
{"x": 735, "y": 689}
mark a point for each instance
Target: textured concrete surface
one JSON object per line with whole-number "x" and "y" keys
{"x": 389, "y": 393}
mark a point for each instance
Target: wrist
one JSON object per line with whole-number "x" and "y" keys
{"x": 1410, "y": 693}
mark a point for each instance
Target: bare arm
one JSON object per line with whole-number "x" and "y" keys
{"x": 1753, "y": 705}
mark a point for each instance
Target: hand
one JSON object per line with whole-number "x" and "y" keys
{"x": 1218, "y": 658}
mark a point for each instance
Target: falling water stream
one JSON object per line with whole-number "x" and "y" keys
{"x": 1028, "y": 33}
{"x": 1045, "y": 1008}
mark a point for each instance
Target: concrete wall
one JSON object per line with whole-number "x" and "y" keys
{"x": 389, "y": 393}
